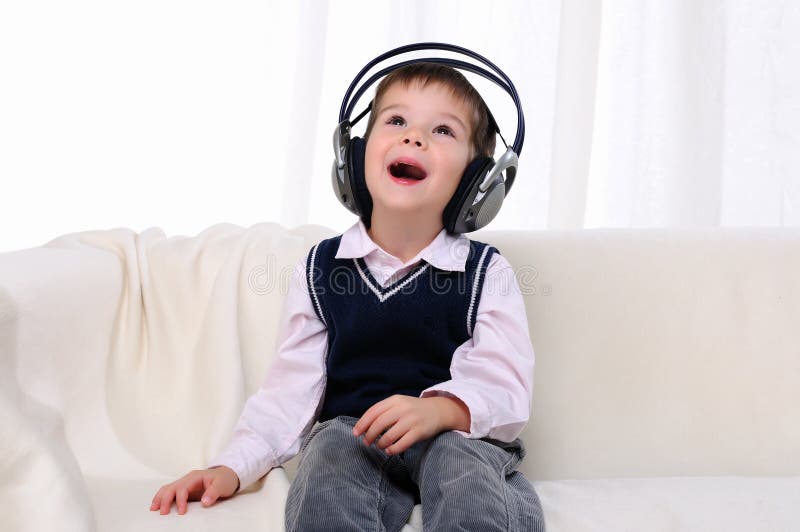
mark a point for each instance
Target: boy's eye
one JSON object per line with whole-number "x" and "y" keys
{"x": 447, "y": 130}
{"x": 398, "y": 121}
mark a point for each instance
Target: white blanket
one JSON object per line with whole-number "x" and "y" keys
{"x": 130, "y": 355}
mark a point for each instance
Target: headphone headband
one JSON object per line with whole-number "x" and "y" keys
{"x": 484, "y": 182}
{"x": 347, "y": 105}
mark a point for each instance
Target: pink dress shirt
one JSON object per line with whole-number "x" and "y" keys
{"x": 492, "y": 372}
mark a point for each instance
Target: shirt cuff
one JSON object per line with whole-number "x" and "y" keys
{"x": 247, "y": 476}
{"x": 479, "y": 414}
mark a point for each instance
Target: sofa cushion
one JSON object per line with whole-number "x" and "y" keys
{"x": 123, "y": 505}
{"x": 672, "y": 504}
{"x": 661, "y": 352}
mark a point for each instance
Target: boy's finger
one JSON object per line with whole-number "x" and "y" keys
{"x": 379, "y": 426}
{"x": 368, "y": 417}
{"x": 402, "y": 444}
{"x": 155, "y": 504}
{"x": 166, "y": 500}
{"x": 181, "y": 498}
{"x": 210, "y": 496}
{"x": 393, "y": 434}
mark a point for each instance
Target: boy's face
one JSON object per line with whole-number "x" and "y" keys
{"x": 417, "y": 150}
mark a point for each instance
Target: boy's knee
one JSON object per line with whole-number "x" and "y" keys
{"x": 453, "y": 449}
{"x": 450, "y": 444}
{"x": 330, "y": 437}
{"x": 333, "y": 448}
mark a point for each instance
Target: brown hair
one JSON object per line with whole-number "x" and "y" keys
{"x": 482, "y": 137}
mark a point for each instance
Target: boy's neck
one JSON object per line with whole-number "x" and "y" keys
{"x": 403, "y": 236}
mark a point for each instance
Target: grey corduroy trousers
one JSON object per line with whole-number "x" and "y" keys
{"x": 463, "y": 484}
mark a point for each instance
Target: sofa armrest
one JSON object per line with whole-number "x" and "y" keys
{"x": 57, "y": 307}
{"x": 57, "y": 310}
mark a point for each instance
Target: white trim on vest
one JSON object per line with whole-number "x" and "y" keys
{"x": 311, "y": 284}
{"x": 387, "y": 295}
{"x": 475, "y": 289}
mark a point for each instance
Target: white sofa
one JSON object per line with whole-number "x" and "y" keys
{"x": 667, "y": 385}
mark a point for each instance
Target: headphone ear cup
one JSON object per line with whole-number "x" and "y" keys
{"x": 453, "y": 219}
{"x": 355, "y": 154}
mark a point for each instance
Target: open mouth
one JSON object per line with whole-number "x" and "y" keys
{"x": 406, "y": 170}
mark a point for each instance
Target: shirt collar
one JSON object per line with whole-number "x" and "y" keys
{"x": 445, "y": 252}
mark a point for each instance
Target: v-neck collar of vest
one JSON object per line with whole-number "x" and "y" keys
{"x": 385, "y": 293}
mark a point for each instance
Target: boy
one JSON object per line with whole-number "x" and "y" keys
{"x": 397, "y": 339}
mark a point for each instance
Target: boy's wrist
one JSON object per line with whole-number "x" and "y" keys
{"x": 236, "y": 475}
{"x": 454, "y": 414}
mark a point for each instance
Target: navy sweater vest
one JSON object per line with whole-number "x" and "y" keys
{"x": 394, "y": 340}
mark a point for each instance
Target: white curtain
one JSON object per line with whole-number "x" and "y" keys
{"x": 178, "y": 114}
{"x": 697, "y": 116}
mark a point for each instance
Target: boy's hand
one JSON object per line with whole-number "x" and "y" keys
{"x": 211, "y": 484}
{"x": 409, "y": 420}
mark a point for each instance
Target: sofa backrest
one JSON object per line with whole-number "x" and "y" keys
{"x": 658, "y": 352}
{"x": 661, "y": 352}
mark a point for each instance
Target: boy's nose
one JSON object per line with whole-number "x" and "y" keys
{"x": 414, "y": 134}
{"x": 408, "y": 140}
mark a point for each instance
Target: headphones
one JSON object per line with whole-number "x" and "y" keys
{"x": 483, "y": 186}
